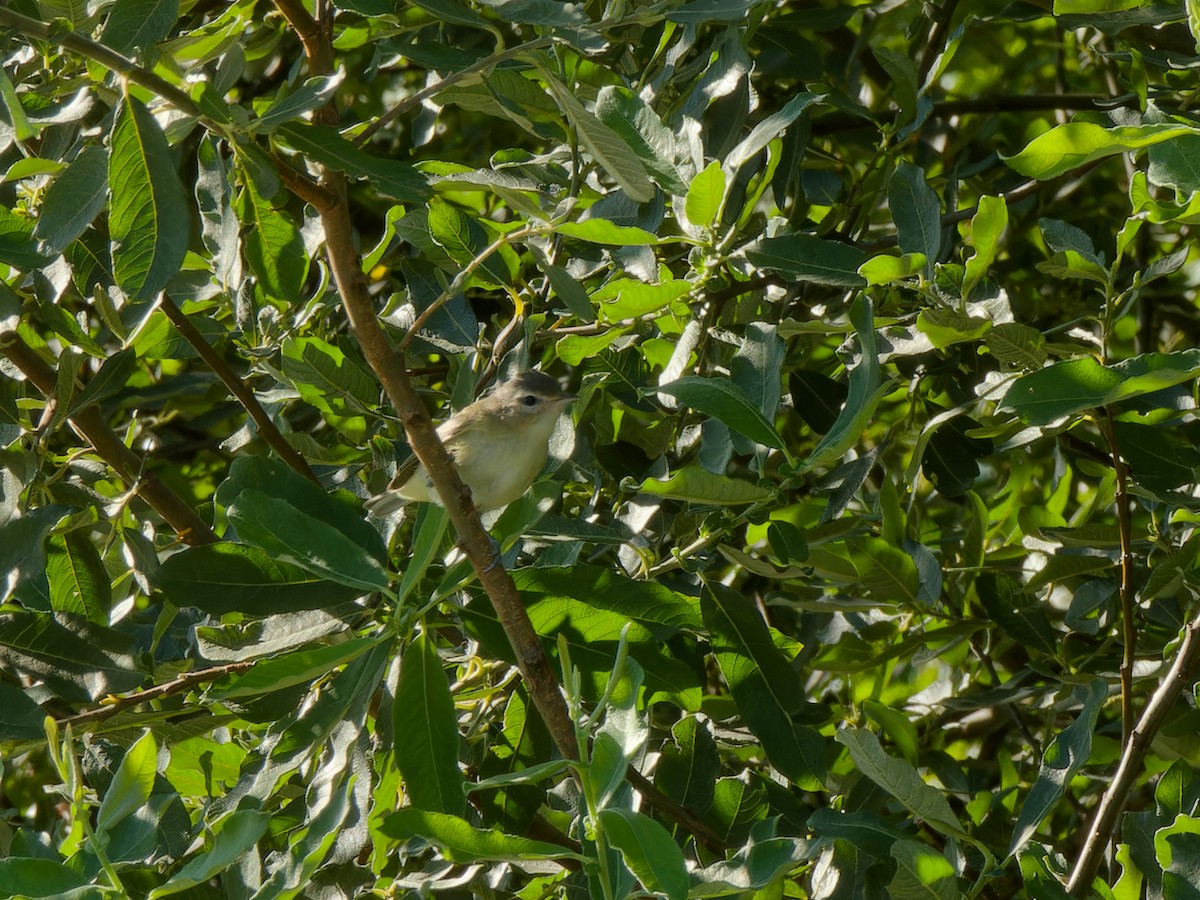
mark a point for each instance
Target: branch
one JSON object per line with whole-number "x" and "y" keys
{"x": 389, "y": 367}
{"x": 238, "y": 388}
{"x": 184, "y": 682}
{"x": 297, "y": 182}
{"x": 130, "y": 466}
{"x": 1112, "y": 804}
{"x": 110, "y": 59}
{"x": 460, "y": 279}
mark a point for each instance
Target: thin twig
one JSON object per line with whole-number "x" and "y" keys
{"x": 1126, "y": 590}
{"x": 184, "y": 682}
{"x": 460, "y": 279}
{"x": 266, "y": 427}
{"x": 1112, "y": 804}
{"x": 129, "y": 466}
{"x": 425, "y": 93}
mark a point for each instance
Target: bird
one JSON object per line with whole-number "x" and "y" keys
{"x": 498, "y": 444}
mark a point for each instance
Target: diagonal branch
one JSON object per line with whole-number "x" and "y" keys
{"x": 392, "y": 372}
{"x": 1112, "y": 804}
{"x": 184, "y": 682}
{"x": 297, "y": 182}
{"x": 425, "y": 93}
{"x": 243, "y": 394}
{"x": 130, "y": 466}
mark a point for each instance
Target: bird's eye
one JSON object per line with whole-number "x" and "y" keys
{"x": 529, "y": 400}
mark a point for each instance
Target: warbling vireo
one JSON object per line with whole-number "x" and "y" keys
{"x": 498, "y": 444}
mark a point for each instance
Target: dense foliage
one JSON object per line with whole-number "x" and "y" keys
{"x": 865, "y": 561}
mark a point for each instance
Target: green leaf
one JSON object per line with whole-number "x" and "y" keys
{"x": 297, "y": 667}
{"x": 73, "y": 200}
{"x": 764, "y": 686}
{"x": 606, "y": 146}
{"x": 1016, "y": 346}
{"x": 688, "y": 769}
{"x": 810, "y": 259}
{"x": 32, "y": 877}
{"x": 314, "y": 92}
{"x": 136, "y": 24}
{"x": 323, "y": 144}
{"x": 285, "y": 514}
{"x": 922, "y": 873}
{"x": 886, "y": 269}
{"x": 271, "y": 241}
{"x": 700, "y": 11}
{"x": 594, "y": 634}
{"x": 767, "y": 130}
{"x": 640, "y": 127}
{"x": 233, "y": 836}
{"x": 987, "y": 227}
{"x": 628, "y": 298}
{"x": 645, "y": 601}
{"x": 1063, "y": 757}
{"x": 1161, "y": 459}
{"x": 111, "y": 378}
{"x": 463, "y": 239}
{"x": 131, "y": 785}
{"x": 426, "y": 731}
{"x": 465, "y": 844}
{"x": 697, "y": 485}
{"x": 888, "y": 574}
{"x": 898, "y": 778}
{"x": 576, "y": 298}
{"x": 1069, "y": 387}
{"x": 78, "y": 660}
{"x": 863, "y": 395}
{"x": 946, "y": 327}
{"x": 428, "y": 531}
{"x": 1069, "y": 146}
{"x": 321, "y": 370}
{"x": 722, "y": 399}
{"x": 705, "y": 196}
{"x": 78, "y": 580}
{"x": 23, "y": 130}
{"x": 17, "y": 246}
{"x": 648, "y": 850}
{"x": 20, "y": 718}
{"x": 917, "y": 212}
{"x": 602, "y": 231}
{"x": 1173, "y": 162}
{"x": 149, "y": 216}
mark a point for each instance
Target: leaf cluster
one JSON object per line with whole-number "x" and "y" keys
{"x": 865, "y": 561}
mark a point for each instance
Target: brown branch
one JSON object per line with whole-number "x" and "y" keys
{"x": 345, "y": 264}
{"x": 297, "y": 182}
{"x": 675, "y": 811}
{"x": 129, "y": 466}
{"x": 275, "y": 440}
{"x": 97, "y": 52}
{"x": 184, "y": 682}
{"x": 1112, "y": 804}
